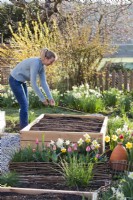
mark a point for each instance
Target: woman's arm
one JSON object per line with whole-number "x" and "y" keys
{"x": 45, "y": 85}
{"x": 33, "y": 79}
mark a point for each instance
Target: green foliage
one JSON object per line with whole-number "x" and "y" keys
{"x": 125, "y": 103}
{"x": 123, "y": 190}
{"x": 127, "y": 185}
{"x": 83, "y": 98}
{"x": 10, "y": 14}
{"x": 111, "y": 96}
{"x": 9, "y": 179}
{"x": 7, "y": 99}
{"x": 34, "y": 100}
{"x": 77, "y": 172}
{"x": 23, "y": 155}
{"x": 37, "y": 154}
{"x": 108, "y": 194}
{"x": 130, "y": 156}
{"x": 32, "y": 116}
{"x": 114, "y": 124}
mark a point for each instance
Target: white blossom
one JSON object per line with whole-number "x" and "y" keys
{"x": 59, "y": 142}
{"x": 87, "y": 136}
{"x": 130, "y": 175}
{"x": 80, "y": 141}
{"x": 125, "y": 128}
{"x": 52, "y": 142}
{"x": 67, "y": 142}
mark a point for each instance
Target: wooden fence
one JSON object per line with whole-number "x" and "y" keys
{"x": 115, "y": 79}
{"x": 104, "y": 80}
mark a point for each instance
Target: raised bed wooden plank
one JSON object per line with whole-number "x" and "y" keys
{"x": 33, "y": 191}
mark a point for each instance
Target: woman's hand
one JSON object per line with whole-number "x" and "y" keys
{"x": 45, "y": 102}
{"x": 51, "y": 102}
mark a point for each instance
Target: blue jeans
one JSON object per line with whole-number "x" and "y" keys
{"x": 21, "y": 93}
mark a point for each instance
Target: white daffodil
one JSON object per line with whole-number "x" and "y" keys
{"x": 118, "y": 131}
{"x": 94, "y": 142}
{"x": 130, "y": 175}
{"x": 67, "y": 142}
{"x": 77, "y": 95}
{"x": 125, "y": 128}
{"x": 59, "y": 142}
{"x": 86, "y": 136}
{"x": 52, "y": 142}
{"x": 80, "y": 141}
{"x": 120, "y": 195}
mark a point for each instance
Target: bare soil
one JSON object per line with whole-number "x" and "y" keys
{"x": 70, "y": 124}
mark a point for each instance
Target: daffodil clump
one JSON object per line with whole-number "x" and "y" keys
{"x": 123, "y": 135}
{"x": 125, "y": 189}
{"x": 122, "y": 190}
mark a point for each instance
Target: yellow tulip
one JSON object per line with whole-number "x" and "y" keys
{"x": 107, "y": 138}
{"x": 63, "y": 150}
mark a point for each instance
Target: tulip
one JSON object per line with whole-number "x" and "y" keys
{"x": 63, "y": 150}
{"x": 75, "y": 147}
{"x": 37, "y": 141}
{"x": 121, "y": 137}
{"x": 69, "y": 149}
{"x": 54, "y": 148}
{"x": 88, "y": 148}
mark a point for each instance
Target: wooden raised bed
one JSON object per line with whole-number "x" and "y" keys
{"x": 34, "y": 191}
{"x": 70, "y": 127}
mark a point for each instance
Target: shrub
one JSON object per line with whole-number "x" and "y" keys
{"x": 9, "y": 179}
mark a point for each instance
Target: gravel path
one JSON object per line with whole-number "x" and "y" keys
{"x": 9, "y": 143}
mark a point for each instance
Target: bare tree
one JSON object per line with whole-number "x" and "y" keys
{"x": 113, "y": 18}
{"x": 46, "y": 8}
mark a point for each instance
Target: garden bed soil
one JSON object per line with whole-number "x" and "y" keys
{"x": 14, "y": 196}
{"x": 64, "y": 123}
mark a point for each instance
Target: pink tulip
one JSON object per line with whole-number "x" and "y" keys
{"x": 54, "y": 148}
{"x": 92, "y": 147}
{"x": 37, "y": 141}
{"x": 97, "y": 155}
{"x": 69, "y": 149}
{"x": 88, "y": 148}
{"x": 48, "y": 145}
{"x": 75, "y": 147}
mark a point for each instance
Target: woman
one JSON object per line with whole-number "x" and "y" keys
{"x": 28, "y": 70}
